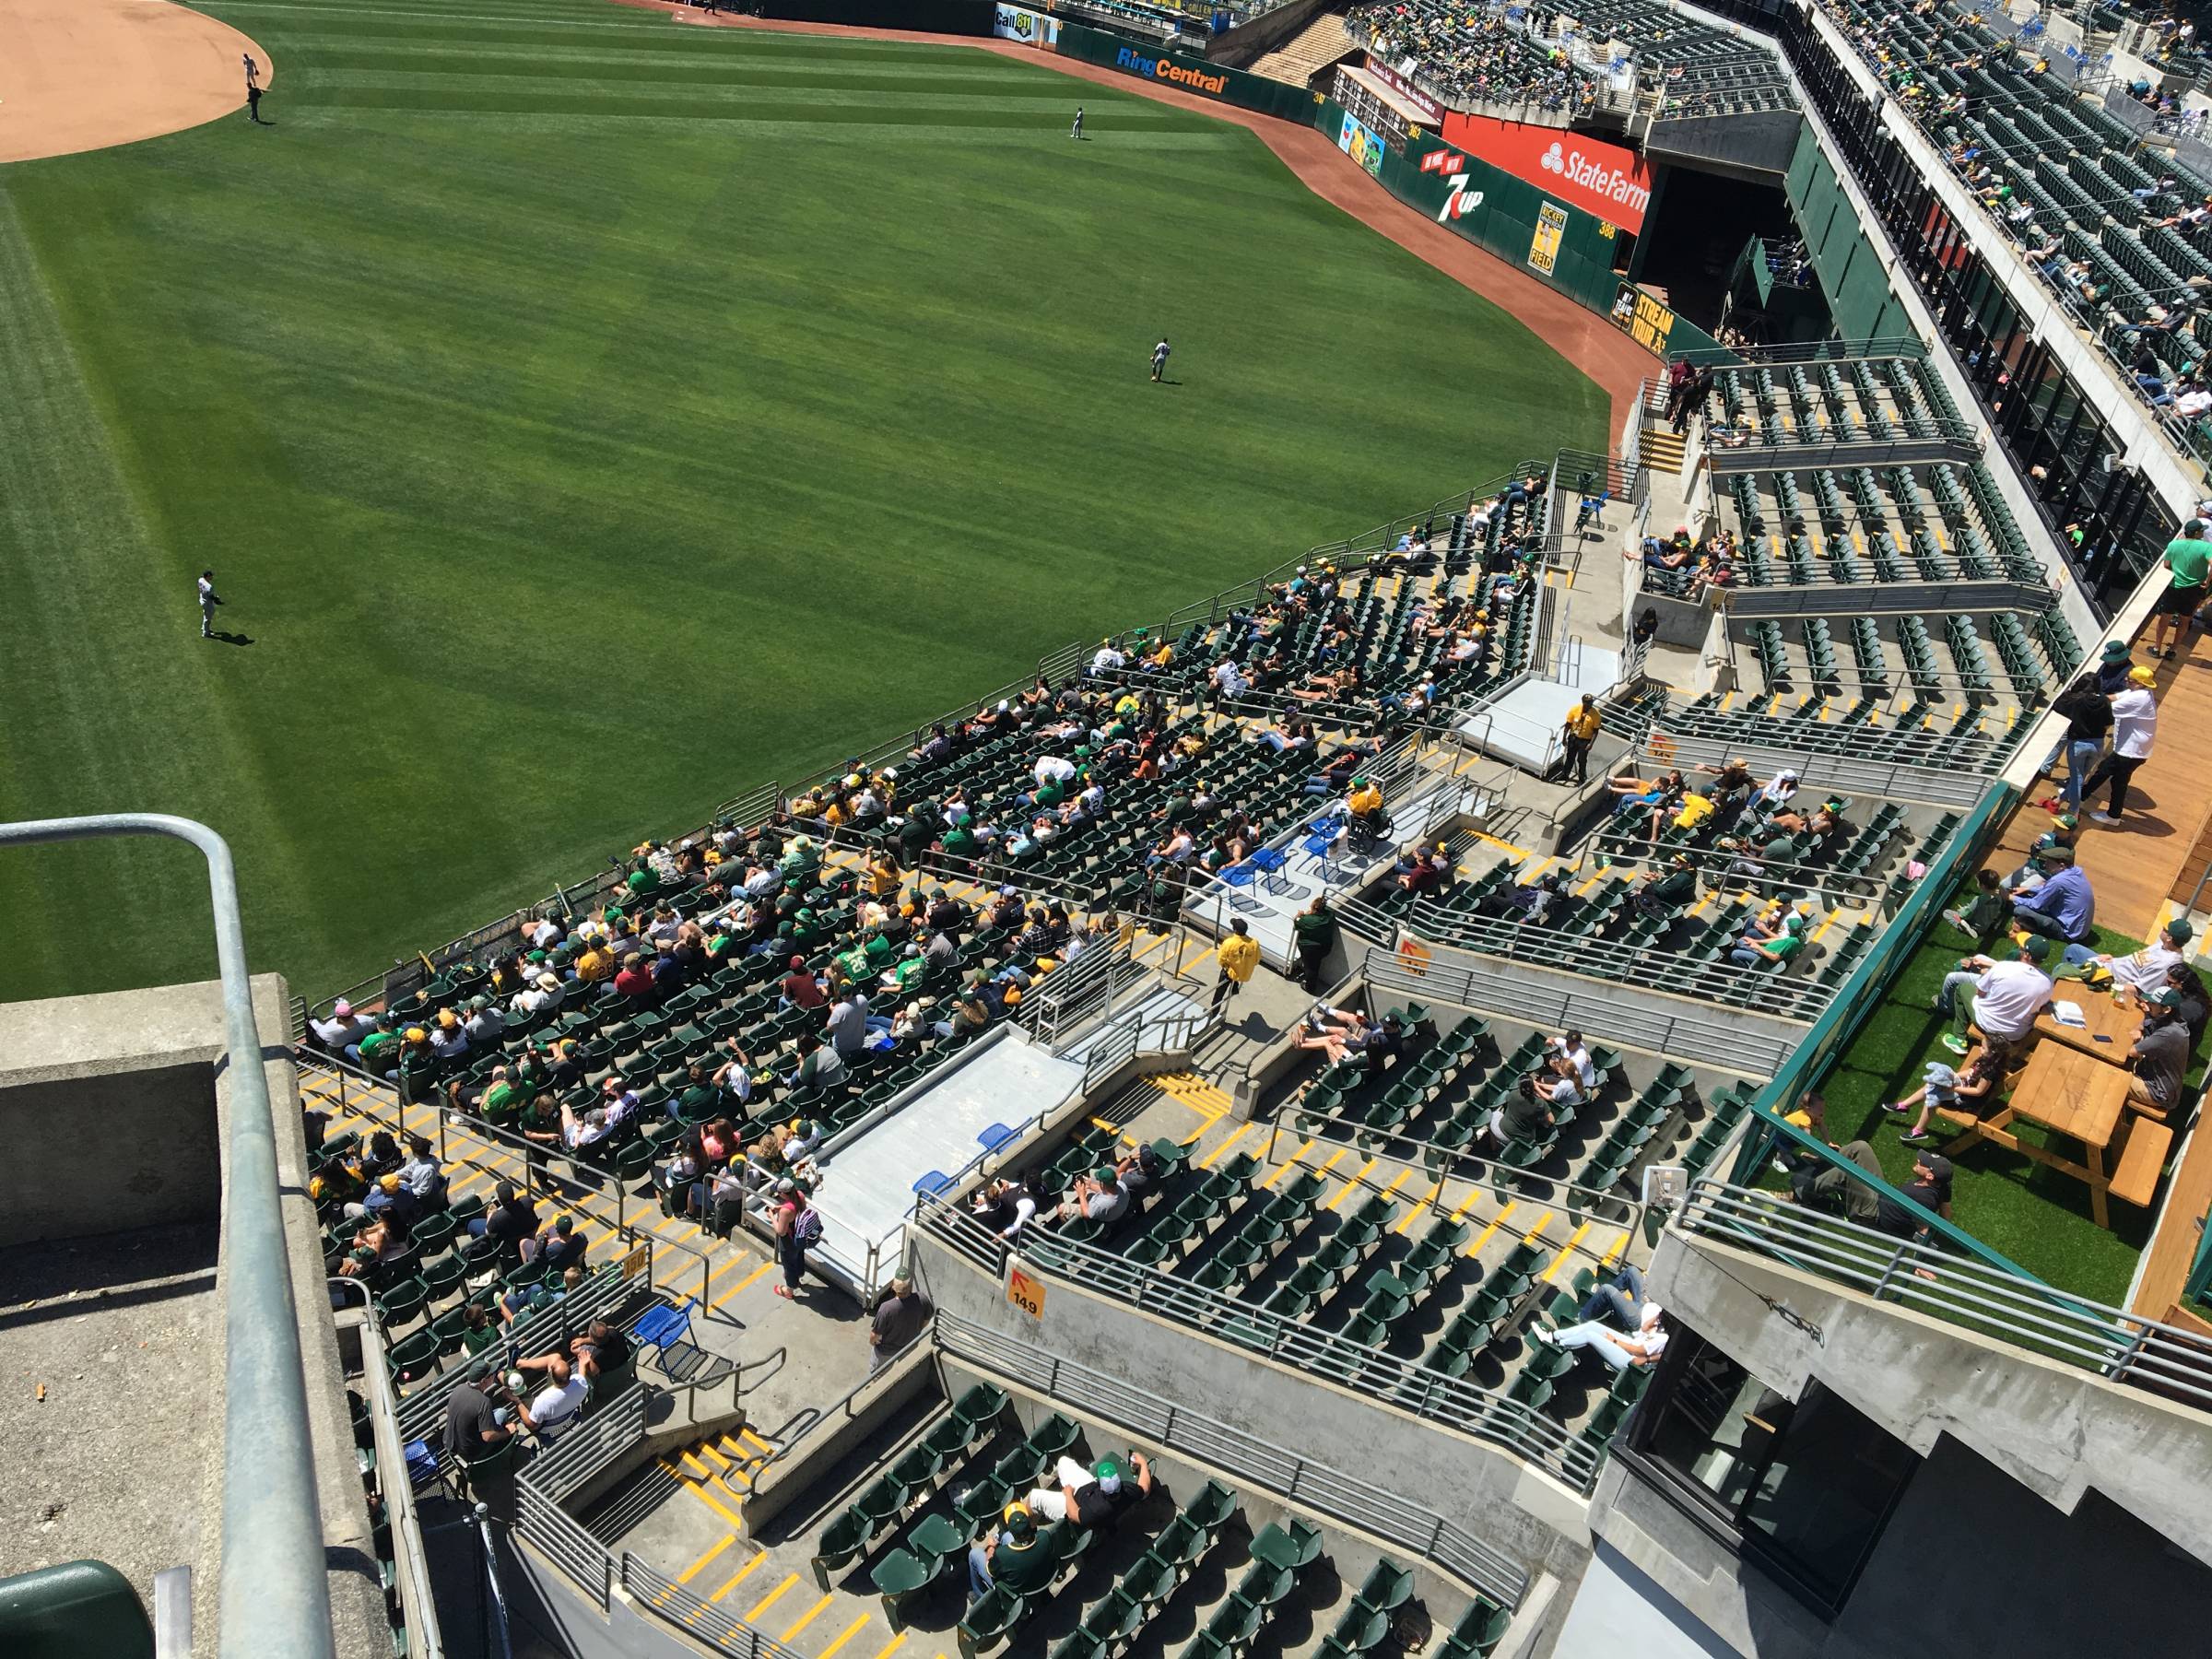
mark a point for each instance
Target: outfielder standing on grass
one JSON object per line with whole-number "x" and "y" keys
{"x": 1159, "y": 359}
{"x": 209, "y": 599}
{"x": 1077, "y": 131}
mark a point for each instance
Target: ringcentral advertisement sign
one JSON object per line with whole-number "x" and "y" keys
{"x": 1604, "y": 178}
{"x": 1164, "y": 68}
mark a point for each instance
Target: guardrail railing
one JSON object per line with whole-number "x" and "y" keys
{"x": 1452, "y": 1402}
{"x": 1784, "y": 997}
{"x": 1245, "y": 1459}
{"x": 274, "y": 1594}
{"x": 2021, "y": 1313}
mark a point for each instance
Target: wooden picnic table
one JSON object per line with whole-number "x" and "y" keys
{"x": 2104, "y": 1017}
{"x": 2073, "y": 1091}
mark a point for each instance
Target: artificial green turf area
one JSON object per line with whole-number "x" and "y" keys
{"x": 2035, "y": 1216}
{"x": 590, "y": 418}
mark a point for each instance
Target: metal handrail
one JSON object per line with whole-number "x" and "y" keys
{"x": 1484, "y": 1414}
{"x": 2119, "y": 1346}
{"x": 1437, "y": 1159}
{"x": 413, "y": 1570}
{"x": 1785, "y": 996}
{"x": 274, "y": 1596}
{"x": 1681, "y": 1029}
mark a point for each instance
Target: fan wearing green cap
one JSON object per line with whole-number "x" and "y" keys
{"x": 2146, "y": 970}
{"x": 1016, "y": 1557}
{"x": 2003, "y": 998}
{"x": 1775, "y": 944}
{"x": 2161, "y": 1053}
{"x": 1096, "y": 1495}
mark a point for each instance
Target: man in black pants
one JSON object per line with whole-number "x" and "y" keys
{"x": 254, "y": 91}
{"x": 1314, "y": 930}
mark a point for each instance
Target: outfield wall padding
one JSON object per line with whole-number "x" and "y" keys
{"x": 933, "y": 16}
{"x": 1193, "y": 74}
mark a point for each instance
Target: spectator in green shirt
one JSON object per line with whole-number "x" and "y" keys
{"x": 2188, "y": 557}
{"x": 1774, "y": 949}
{"x": 1313, "y": 930}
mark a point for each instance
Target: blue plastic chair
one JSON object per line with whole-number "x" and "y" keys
{"x": 995, "y": 1137}
{"x": 935, "y": 1184}
{"x": 1235, "y": 875}
{"x": 1270, "y": 861}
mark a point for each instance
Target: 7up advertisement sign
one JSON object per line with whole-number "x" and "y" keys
{"x": 1451, "y": 167}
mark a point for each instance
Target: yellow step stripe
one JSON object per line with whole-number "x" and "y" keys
{"x": 692, "y": 1572}
{"x": 699, "y": 1493}
{"x": 850, "y": 1631}
{"x": 739, "y": 1577}
{"x": 751, "y": 1278}
{"x": 1426, "y": 1200}
{"x": 1569, "y": 1249}
{"x": 1286, "y": 1169}
{"x": 1484, "y": 1237}
{"x": 807, "y": 1618}
{"x": 770, "y": 1600}
{"x": 1214, "y": 1157}
{"x": 1348, "y": 1185}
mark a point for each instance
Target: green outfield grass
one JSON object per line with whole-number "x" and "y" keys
{"x": 590, "y": 418}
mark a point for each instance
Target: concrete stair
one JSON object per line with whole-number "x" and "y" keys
{"x": 1307, "y": 53}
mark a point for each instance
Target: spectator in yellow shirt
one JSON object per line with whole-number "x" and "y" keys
{"x": 1580, "y": 731}
{"x": 1240, "y": 954}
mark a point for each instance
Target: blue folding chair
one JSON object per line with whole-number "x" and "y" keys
{"x": 660, "y": 1325}
{"x": 934, "y": 1184}
{"x": 1270, "y": 861}
{"x": 995, "y": 1137}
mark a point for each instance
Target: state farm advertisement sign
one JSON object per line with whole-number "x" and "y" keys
{"x": 1604, "y": 178}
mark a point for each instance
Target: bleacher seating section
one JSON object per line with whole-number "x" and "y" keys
{"x": 2113, "y": 227}
{"x": 1431, "y": 1295}
{"x": 919, "y": 1513}
{"x": 1477, "y": 56}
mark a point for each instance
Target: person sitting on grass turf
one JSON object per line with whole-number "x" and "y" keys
{"x": 1984, "y": 918}
{"x": 2002, "y": 997}
{"x": 2062, "y": 906}
{"x": 1944, "y": 1089}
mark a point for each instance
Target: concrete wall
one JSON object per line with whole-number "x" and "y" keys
{"x": 2142, "y": 1595}
{"x": 1528, "y": 1516}
{"x": 115, "y": 1111}
{"x": 1754, "y": 146}
{"x": 107, "y": 1111}
{"x": 2055, "y": 1429}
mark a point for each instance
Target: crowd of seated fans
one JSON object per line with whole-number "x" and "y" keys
{"x": 1683, "y": 567}
{"x": 1475, "y": 55}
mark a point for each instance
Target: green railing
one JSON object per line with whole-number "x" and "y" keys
{"x": 1834, "y": 1030}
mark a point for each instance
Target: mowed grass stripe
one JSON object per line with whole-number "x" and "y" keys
{"x": 561, "y": 91}
{"x": 827, "y": 126}
{"x": 575, "y": 470}
{"x": 537, "y": 58}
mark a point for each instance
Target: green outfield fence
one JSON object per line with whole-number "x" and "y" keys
{"x": 1217, "y": 82}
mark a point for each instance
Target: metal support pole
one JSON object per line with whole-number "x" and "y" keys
{"x": 274, "y": 1598}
